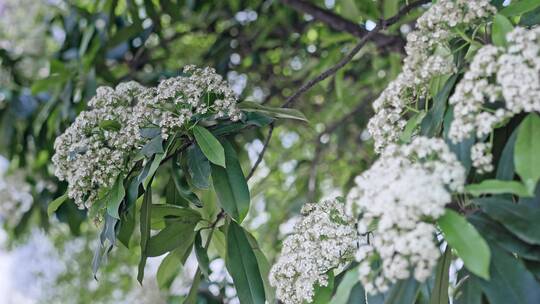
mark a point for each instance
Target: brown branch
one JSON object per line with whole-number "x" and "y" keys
{"x": 332, "y": 70}
{"x": 261, "y": 155}
{"x": 341, "y": 24}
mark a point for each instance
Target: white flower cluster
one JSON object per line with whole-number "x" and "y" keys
{"x": 100, "y": 145}
{"x": 324, "y": 239}
{"x": 500, "y": 83}
{"x": 397, "y": 201}
{"x": 427, "y": 57}
{"x": 15, "y": 196}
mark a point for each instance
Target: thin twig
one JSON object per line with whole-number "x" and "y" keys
{"x": 331, "y": 71}
{"x": 261, "y": 155}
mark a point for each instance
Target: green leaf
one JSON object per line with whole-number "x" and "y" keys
{"x": 350, "y": 279}
{"x": 242, "y": 265}
{"x": 154, "y": 146}
{"x": 433, "y": 121}
{"x": 439, "y": 294}
{"x": 179, "y": 231}
{"x": 146, "y": 214}
{"x": 494, "y": 186}
{"x": 469, "y": 291}
{"x": 505, "y": 167}
{"x": 468, "y": 243}
{"x": 169, "y": 268}
{"x": 264, "y": 267}
{"x": 162, "y": 213}
{"x": 209, "y": 145}
{"x": 526, "y": 151}
{"x": 182, "y": 186}
{"x": 411, "y": 126}
{"x": 202, "y": 255}
{"x": 323, "y": 294}
{"x": 231, "y": 186}
{"x": 114, "y": 197}
{"x": 198, "y": 167}
{"x": 520, "y": 219}
{"x": 510, "y": 281}
{"x": 54, "y": 205}
{"x": 501, "y": 26}
{"x": 286, "y": 113}
{"x": 496, "y": 233}
{"x": 518, "y": 7}
{"x": 404, "y": 291}
{"x": 110, "y": 125}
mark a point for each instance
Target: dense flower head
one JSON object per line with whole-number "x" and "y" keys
{"x": 427, "y": 57}
{"x": 397, "y": 202}
{"x": 500, "y": 83}
{"x": 322, "y": 240}
{"x": 101, "y": 143}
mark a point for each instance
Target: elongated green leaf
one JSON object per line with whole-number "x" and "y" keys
{"x": 323, "y": 294}
{"x": 433, "y": 121}
{"x": 178, "y": 232}
{"x": 182, "y": 186}
{"x": 169, "y": 268}
{"x": 115, "y": 197}
{"x": 501, "y": 26}
{"x": 412, "y": 126}
{"x": 469, "y": 292}
{"x": 54, "y": 205}
{"x": 202, "y": 255}
{"x": 526, "y": 155}
{"x": 249, "y": 106}
{"x": 146, "y": 214}
{"x": 468, "y": 243}
{"x": 198, "y": 167}
{"x": 494, "y": 186}
{"x": 345, "y": 287}
{"x": 497, "y": 234}
{"x": 510, "y": 281}
{"x": 154, "y": 146}
{"x": 264, "y": 267}
{"x": 505, "y": 167}
{"x": 231, "y": 186}
{"x": 404, "y": 291}
{"x": 242, "y": 265}
{"x": 439, "y": 294}
{"x": 518, "y": 7}
{"x": 209, "y": 145}
{"x": 521, "y": 220}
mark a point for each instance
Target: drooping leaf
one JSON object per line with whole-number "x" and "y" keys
{"x": 323, "y": 294}
{"x": 209, "y": 145}
{"x": 468, "y": 243}
{"x": 178, "y": 232}
{"x": 202, "y": 255}
{"x": 439, "y": 294}
{"x": 433, "y": 121}
{"x": 242, "y": 265}
{"x": 231, "y": 186}
{"x": 146, "y": 214}
{"x": 182, "y": 186}
{"x": 114, "y": 197}
{"x": 469, "y": 292}
{"x": 286, "y": 113}
{"x": 345, "y": 287}
{"x": 526, "y": 156}
{"x": 501, "y": 26}
{"x": 519, "y": 7}
{"x": 520, "y": 219}
{"x": 494, "y": 186}
{"x": 404, "y": 291}
{"x": 154, "y": 146}
{"x": 54, "y": 205}
{"x": 510, "y": 281}
{"x": 505, "y": 167}
{"x": 497, "y": 234}
{"x": 198, "y": 167}
{"x": 169, "y": 268}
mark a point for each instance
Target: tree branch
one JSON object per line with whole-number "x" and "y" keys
{"x": 261, "y": 155}
{"x": 341, "y": 24}
{"x": 332, "y": 70}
